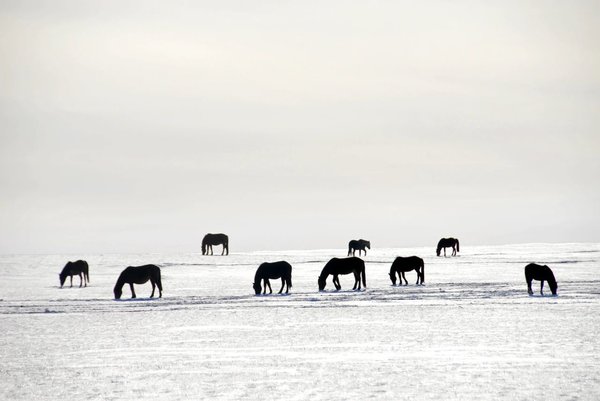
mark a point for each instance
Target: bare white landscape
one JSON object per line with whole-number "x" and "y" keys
{"x": 471, "y": 332}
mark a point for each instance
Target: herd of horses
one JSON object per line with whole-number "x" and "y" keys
{"x": 283, "y": 270}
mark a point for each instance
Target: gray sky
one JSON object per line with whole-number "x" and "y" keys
{"x": 141, "y": 126}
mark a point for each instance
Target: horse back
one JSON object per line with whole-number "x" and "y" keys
{"x": 73, "y": 268}
{"x": 140, "y": 274}
{"x": 273, "y": 270}
{"x": 406, "y": 263}
{"x": 345, "y": 265}
{"x": 538, "y": 272}
{"x": 215, "y": 239}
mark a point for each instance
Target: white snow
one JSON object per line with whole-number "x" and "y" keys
{"x": 471, "y": 332}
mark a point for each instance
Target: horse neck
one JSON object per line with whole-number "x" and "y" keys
{"x": 120, "y": 281}
{"x": 258, "y": 275}
{"x": 551, "y": 279}
{"x": 326, "y": 271}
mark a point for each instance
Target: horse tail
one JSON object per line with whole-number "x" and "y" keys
{"x": 226, "y": 244}
{"x": 457, "y": 246}
{"x": 422, "y": 272}
{"x": 86, "y": 273}
{"x": 439, "y": 248}
{"x": 349, "y": 248}
{"x": 158, "y": 279}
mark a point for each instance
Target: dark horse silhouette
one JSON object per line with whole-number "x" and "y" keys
{"x": 402, "y": 265}
{"x": 338, "y": 266}
{"x": 139, "y": 275}
{"x": 273, "y": 270}
{"x": 541, "y": 273}
{"x": 77, "y": 268}
{"x": 359, "y": 245}
{"x": 448, "y": 243}
{"x": 215, "y": 239}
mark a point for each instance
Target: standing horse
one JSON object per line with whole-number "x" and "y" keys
{"x": 541, "y": 273}
{"x": 273, "y": 270}
{"x": 402, "y": 265}
{"x": 359, "y": 245}
{"x": 338, "y": 266}
{"x": 215, "y": 239}
{"x": 448, "y": 243}
{"x": 139, "y": 275}
{"x": 77, "y": 268}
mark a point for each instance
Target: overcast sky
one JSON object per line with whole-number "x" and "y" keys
{"x": 141, "y": 126}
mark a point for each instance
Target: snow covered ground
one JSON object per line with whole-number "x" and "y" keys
{"x": 471, "y": 332}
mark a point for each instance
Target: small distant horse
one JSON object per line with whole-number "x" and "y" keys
{"x": 273, "y": 270}
{"x": 359, "y": 245}
{"x": 337, "y": 266}
{"x": 77, "y": 268}
{"x": 139, "y": 275}
{"x": 215, "y": 239}
{"x": 402, "y": 265}
{"x": 448, "y": 243}
{"x": 541, "y": 273}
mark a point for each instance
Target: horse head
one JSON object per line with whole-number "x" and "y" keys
{"x": 368, "y": 244}
{"x": 393, "y": 278}
{"x": 118, "y": 292}
{"x": 257, "y": 288}
{"x": 438, "y": 250}
{"x": 321, "y": 283}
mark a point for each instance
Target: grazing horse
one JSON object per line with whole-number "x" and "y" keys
{"x": 338, "y": 266}
{"x": 448, "y": 243}
{"x": 359, "y": 245}
{"x": 215, "y": 239}
{"x": 139, "y": 275}
{"x": 541, "y": 273}
{"x": 77, "y": 268}
{"x": 402, "y": 265}
{"x": 273, "y": 270}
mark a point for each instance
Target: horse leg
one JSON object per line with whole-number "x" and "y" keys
{"x": 80, "y": 281}
{"x": 223, "y": 251}
{"x": 132, "y": 290}
{"x": 542, "y": 287}
{"x": 336, "y": 282}
{"x": 71, "y": 277}
{"x": 282, "y": 285}
{"x": 529, "y": 290}
{"x": 268, "y": 283}
{"x": 153, "y": 284}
